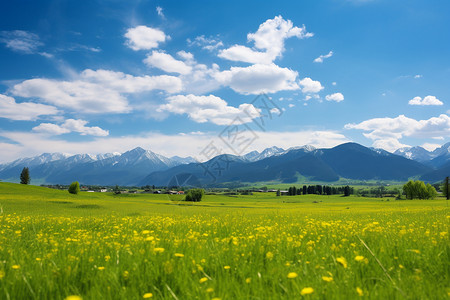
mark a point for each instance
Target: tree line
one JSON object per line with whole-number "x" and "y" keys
{"x": 318, "y": 190}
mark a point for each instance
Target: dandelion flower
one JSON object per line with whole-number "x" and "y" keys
{"x": 269, "y": 255}
{"x": 202, "y": 280}
{"x": 359, "y": 258}
{"x": 159, "y": 250}
{"x": 307, "y": 291}
{"x": 147, "y": 295}
{"x": 101, "y": 268}
{"x": 248, "y": 280}
{"x": 227, "y": 267}
{"x": 73, "y": 297}
{"x": 16, "y": 267}
{"x": 292, "y": 275}
{"x": 209, "y": 290}
{"x": 179, "y": 255}
{"x": 359, "y": 291}
{"x": 327, "y": 278}
{"x": 341, "y": 260}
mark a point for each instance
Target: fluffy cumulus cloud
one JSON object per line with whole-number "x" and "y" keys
{"x": 70, "y": 125}
{"x": 268, "y": 42}
{"x": 144, "y": 38}
{"x": 310, "y": 86}
{"x": 25, "y": 111}
{"x": 210, "y": 108}
{"x": 21, "y": 41}
{"x": 80, "y": 96}
{"x": 338, "y": 97}
{"x": 388, "y": 131}
{"x": 126, "y": 83}
{"x": 322, "y": 57}
{"x": 428, "y": 100}
{"x": 259, "y": 78}
{"x": 99, "y": 91}
{"x": 166, "y": 62}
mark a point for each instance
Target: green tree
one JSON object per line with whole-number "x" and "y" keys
{"x": 418, "y": 190}
{"x": 195, "y": 195}
{"x": 25, "y": 176}
{"x": 74, "y": 187}
{"x": 278, "y": 193}
{"x": 346, "y": 191}
{"x": 116, "y": 190}
{"x": 446, "y": 188}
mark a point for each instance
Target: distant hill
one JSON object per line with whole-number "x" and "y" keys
{"x": 144, "y": 167}
{"x": 105, "y": 169}
{"x": 348, "y": 160}
{"x": 437, "y": 158}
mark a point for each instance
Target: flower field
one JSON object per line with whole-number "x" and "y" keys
{"x": 54, "y": 245}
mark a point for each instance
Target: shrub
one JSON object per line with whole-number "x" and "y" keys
{"x": 74, "y": 188}
{"x": 195, "y": 195}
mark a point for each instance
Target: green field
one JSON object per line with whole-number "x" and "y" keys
{"x": 101, "y": 246}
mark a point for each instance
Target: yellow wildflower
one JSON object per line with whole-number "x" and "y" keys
{"x": 159, "y": 250}
{"x": 227, "y": 267}
{"x": 292, "y": 275}
{"x": 147, "y": 295}
{"x": 73, "y": 297}
{"x": 16, "y": 267}
{"x": 327, "y": 278}
{"x": 359, "y": 291}
{"x": 359, "y": 258}
{"x": 179, "y": 255}
{"x": 202, "y": 280}
{"x": 269, "y": 255}
{"x": 307, "y": 291}
{"x": 341, "y": 260}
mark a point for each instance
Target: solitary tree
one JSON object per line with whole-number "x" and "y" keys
{"x": 346, "y": 191}
{"x": 278, "y": 193}
{"x": 195, "y": 195}
{"x": 74, "y": 187}
{"x": 25, "y": 176}
{"x": 446, "y": 188}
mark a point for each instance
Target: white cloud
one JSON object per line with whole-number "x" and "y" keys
{"x": 268, "y": 42}
{"x": 159, "y": 11}
{"x": 28, "y": 144}
{"x": 428, "y": 100}
{"x": 334, "y": 83}
{"x": 144, "y": 38}
{"x": 389, "y": 144}
{"x": 386, "y": 130}
{"x": 25, "y": 111}
{"x": 207, "y": 43}
{"x": 98, "y": 91}
{"x": 291, "y": 105}
{"x": 21, "y": 41}
{"x": 418, "y": 76}
{"x": 166, "y": 62}
{"x": 310, "y": 86}
{"x": 202, "y": 109}
{"x": 430, "y": 147}
{"x": 338, "y": 97}
{"x": 125, "y": 83}
{"x": 322, "y": 57}
{"x": 77, "y": 95}
{"x": 258, "y": 79}
{"x": 70, "y": 125}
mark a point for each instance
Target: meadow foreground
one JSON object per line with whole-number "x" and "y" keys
{"x": 99, "y": 246}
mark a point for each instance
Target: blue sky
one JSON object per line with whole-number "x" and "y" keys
{"x": 173, "y": 76}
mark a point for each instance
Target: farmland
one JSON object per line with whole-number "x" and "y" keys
{"x": 104, "y": 246}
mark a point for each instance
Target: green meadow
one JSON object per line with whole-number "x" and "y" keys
{"x": 54, "y": 245}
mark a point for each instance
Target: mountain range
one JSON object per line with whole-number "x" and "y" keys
{"x": 144, "y": 167}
